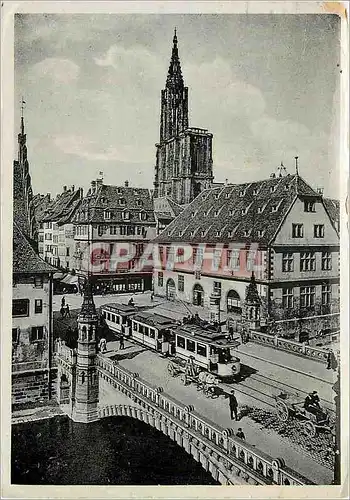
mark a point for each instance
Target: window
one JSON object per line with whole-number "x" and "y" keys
{"x": 67, "y": 251}
{"x": 246, "y": 232}
{"x": 20, "y": 307}
{"x": 309, "y": 206}
{"x": 287, "y": 298}
{"x": 38, "y": 281}
{"x": 202, "y": 350}
{"x": 190, "y": 345}
{"x": 326, "y": 261}
{"x": 146, "y": 331}
{"x": 261, "y": 233}
{"x": 287, "y": 262}
{"x": 101, "y": 230}
{"x": 231, "y": 212}
{"x": 139, "y": 203}
{"x": 198, "y": 254}
{"x": 274, "y": 208}
{"x": 107, "y": 214}
{"x": 216, "y": 213}
{"x": 251, "y": 260}
{"x": 217, "y": 287}
{"x": 170, "y": 254}
{"x": 55, "y": 238}
{"x": 143, "y": 216}
{"x": 181, "y": 283}
{"x": 272, "y": 189}
{"x": 121, "y": 201}
{"x": 113, "y": 230}
{"x": 126, "y": 215}
{"x": 319, "y": 231}
{"x": 255, "y": 191}
{"x": 326, "y": 294}
{"x": 160, "y": 279}
{"x": 180, "y": 255}
{"x": 216, "y": 258}
{"x": 234, "y": 302}
{"x": 15, "y": 335}
{"x": 38, "y": 306}
{"x": 48, "y": 236}
{"x": 41, "y": 238}
{"x": 307, "y": 296}
{"x": 297, "y": 230}
{"x": 37, "y": 333}
{"x": 152, "y": 333}
{"x": 307, "y": 261}
{"x": 180, "y": 342}
{"x": 134, "y": 326}
{"x": 233, "y": 259}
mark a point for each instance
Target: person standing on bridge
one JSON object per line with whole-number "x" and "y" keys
{"x": 233, "y": 406}
{"x": 240, "y": 434}
{"x": 121, "y": 342}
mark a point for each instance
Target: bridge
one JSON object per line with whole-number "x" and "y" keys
{"x": 230, "y": 460}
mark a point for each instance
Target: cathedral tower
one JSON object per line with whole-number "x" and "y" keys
{"x": 184, "y": 165}
{"x": 86, "y": 383}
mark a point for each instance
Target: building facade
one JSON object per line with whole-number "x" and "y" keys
{"x": 32, "y": 342}
{"x": 113, "y": 226}
{"x": 57, "y": 230}
{"x": 280, "y": 231}
{"x": 184, "y": 164}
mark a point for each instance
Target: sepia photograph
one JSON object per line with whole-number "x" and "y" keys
{"x": 176, "y": 251}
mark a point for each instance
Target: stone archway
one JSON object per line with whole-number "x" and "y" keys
{"x": 233, "y": 303}
{"x": 170, "y": 289}
{"x": 198, "y": 295}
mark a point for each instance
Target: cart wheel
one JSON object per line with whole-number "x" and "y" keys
{"x": 310, "y": 428}
{"x": 282, "y": 411}
{"x": 171, "y": 369}
{"x": 183, "y": 379}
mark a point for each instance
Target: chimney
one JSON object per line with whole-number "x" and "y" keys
{"x": 126, "y": 184}
{"x": 93, "y": 187}
{"x": 49, "y": 196}
{"x": 72, "y": 188}
{"x": 64, "y": 189}
{"x": 81, "y": 193}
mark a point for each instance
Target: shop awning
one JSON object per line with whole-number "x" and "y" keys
{"x": 70, "y": 280}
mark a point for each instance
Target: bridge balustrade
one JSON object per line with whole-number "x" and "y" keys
{"x": 238, "y": 455}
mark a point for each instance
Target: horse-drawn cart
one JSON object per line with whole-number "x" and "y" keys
{"x": 189, "y": 372}
{"x": 313, "y": 418}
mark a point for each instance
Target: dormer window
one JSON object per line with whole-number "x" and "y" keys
{"x": 203, "y": 233}
{"x": 274, "y": 208}
{"x": 272, "y": 189}
{"x": 261, "y": 233}
{"x": 216, "y": 213}
{"x": 122, "y": 201}
{"x": 231, "y": 213}
{"x": 255, "y": 191}
{"x": 192, "y": 233}
{"x": 242, "y": 193}
{"x": 194, "y": 214}
{"x": 139, "y": 203}
{"x": 107, "y": 214}
{"x": 244, "y": 211}
{"x": 143, "y": 216}
{"x": 309, "y": 206}
{"x": 126, "y": 215}
{"x": 218, "y": 233}
{"x": 230, "y": 234}
{"x": 261, "y": 209}
{"x": 246, "y": 232}
{"x": 227, "y": 195}
{"x": 119, "y": 190}
{"x": 216, "y": 195}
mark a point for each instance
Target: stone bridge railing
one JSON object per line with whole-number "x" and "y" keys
{"x": 229, "y": 459}
{"x": 315, "y": 353}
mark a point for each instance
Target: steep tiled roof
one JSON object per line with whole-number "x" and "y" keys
{"x": 116, "y": 200}
{"x": 333, "y": 209}
{"x": 41, "y": 204}
{"x": 242, "y": 212}
{"x": 25, "y": 259}
{"x": 166, "y": 208}
{"x": 62, "y": 209}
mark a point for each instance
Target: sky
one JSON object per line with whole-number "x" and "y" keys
{"x": 266, "y": 86}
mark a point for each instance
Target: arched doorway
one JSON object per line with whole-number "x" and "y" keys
{"x": 198, "y": 295}
{"x": 233, "y": 303}
{"x": 170, "y": 289}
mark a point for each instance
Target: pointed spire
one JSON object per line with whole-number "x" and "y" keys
{"x": 174, "y": 73}
{"x": 252, "y": 294}
{"x": 88, "y": 309}
{"x": 22, "y": 115}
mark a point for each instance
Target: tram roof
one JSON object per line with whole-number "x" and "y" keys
{"x": 122, "y": 308}
{"x": 195, "y": 332}
{"x": 153, "y": 319}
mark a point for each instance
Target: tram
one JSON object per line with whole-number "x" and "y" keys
{"x": 207, "y": 349}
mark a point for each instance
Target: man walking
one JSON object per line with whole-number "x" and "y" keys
{"x": 240, "y": 434}
{"x": 233, "y": 406}
{"x": 121, "y": 343}
{"x": 67, "y": 311}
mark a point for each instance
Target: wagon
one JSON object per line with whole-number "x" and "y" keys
{"x": 290, "y": 405}
{"x": 189, "y": 372}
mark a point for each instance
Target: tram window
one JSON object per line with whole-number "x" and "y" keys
{"x": 191, "y": 346}
{"x": 152, "y": 333}
{"x": 202, "y": 350}
{"x": 141, "y": 329}
{"x": 134, "y": 326}
{"x": 113, "y": 317}
{"x": 147, "y": 331}
{"x": 180, "y": 342}
{"x": 108, "y": 316}
{"x": 117, "y": 319}
{"x": 160, "y": 335}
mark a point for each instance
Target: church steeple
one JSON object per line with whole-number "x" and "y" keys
{"x": 174, "y": 78}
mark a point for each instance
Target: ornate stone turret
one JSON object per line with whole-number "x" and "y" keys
{"x": 86, "y": 383}
{"x": 252, "y": 305}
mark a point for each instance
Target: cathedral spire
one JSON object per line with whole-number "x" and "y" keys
{"x": 174, "y": 77}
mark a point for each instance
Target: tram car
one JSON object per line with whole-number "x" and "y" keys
{"x": 210, "y": 351}
{"x": 117, "y": 317}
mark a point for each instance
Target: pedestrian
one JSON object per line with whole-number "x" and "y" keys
{"x": 63, "y": 312}
{"x": 315, "y": 399}
{"x": 121, "y": 342}
{"x": 240, "y": 434}
{"x": 152, "y": 296}
{"x": 103, "y": 345}
{"x": 63, "y": 302}
{"x": 230, "y": 333}
{"x": 67, "y": 311}
{"x": 233, "y": 406}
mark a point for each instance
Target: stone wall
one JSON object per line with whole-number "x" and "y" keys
{"x": 30, "y": 387}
